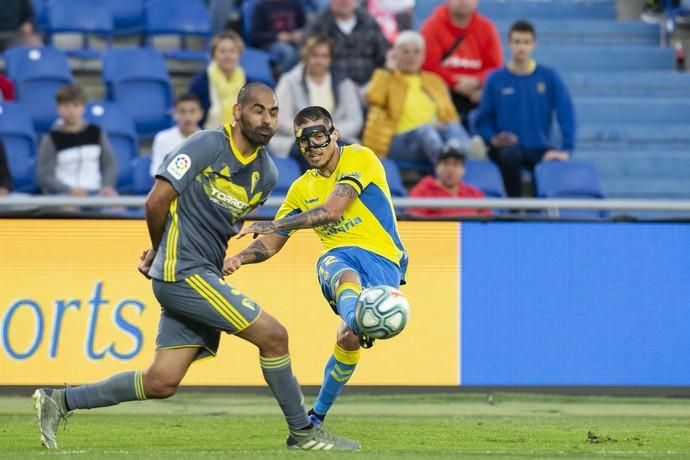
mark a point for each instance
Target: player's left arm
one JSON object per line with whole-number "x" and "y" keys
{"x": 329, "y": 212}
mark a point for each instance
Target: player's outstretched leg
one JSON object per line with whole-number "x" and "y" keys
{"x": 160, "y": 380}
{"x": 272, "y": 340}
{"x": 339, "y": 368}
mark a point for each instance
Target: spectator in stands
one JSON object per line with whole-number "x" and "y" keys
{"x": 188, "y": 113}
{"x": 462, "y": 47}
{"x": 17, "y": 24}
{"x": 5, "y": 176}
{"x": 359, "y": 47}
{"x": 218, "y": 86}
{"x": 75, "y": 157}
{"x": 517, "y": 108}
{"x": 393, "y": 16}
{"x": 411, "y": 114}
{"x": 450, "y": 169}
{"x": 6, "y": 89}
{"x": 312, "y": 82}
{"x": 277, "y": 28}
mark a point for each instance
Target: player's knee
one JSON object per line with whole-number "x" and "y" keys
{"x": 159, "y": 386}
{"x": 275, "y": 342}
{"x": 347, "y": 339}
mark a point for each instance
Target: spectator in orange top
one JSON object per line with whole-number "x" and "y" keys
{"x": 462, "y": 46}
{"x": 448, "y": 183}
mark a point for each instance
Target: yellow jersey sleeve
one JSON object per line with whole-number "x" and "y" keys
{"x": 360, "y": 167}
{"x": 293, "y": 204}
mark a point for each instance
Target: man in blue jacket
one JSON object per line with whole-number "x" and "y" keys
{"x": 517, "y": 109}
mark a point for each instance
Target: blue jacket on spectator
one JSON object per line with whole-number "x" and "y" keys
{"x": 524, "y": 105}
{"x": 271, "y": 17}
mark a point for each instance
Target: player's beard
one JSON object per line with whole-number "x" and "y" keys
{"x": 255, "y": 136}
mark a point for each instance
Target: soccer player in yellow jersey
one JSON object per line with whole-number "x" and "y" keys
{"x": 346, "y": 200}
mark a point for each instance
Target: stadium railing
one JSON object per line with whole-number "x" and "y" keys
{"x": 550, "y": 206}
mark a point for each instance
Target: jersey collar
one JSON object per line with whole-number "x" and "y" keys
{"x": 241, "y": 158}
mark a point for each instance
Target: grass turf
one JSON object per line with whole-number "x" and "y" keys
{"x": 211, "y": 425}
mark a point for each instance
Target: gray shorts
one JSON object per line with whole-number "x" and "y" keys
{"x": 197, "y": 309}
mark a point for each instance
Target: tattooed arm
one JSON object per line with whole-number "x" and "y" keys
{"x": 329, "y": 212}
{"x": 259, "y": 250}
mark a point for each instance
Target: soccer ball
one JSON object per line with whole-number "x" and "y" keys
{"x": 382, "y": 312}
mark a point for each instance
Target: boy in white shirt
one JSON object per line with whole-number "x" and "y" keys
{"x": 188, "y": 114}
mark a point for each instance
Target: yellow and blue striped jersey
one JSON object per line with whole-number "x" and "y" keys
{"x": 368, "y": 222}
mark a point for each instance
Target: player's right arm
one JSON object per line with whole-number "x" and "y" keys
{"x": 259, "y": 250}
{"x": 157, "y": 206}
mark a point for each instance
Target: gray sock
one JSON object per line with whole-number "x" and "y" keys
{"x": 127, "y": 386}
{"x": 278, "y": 375}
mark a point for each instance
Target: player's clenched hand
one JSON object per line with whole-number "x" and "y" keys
{"x": 258, "y": 228}
{"x": 145, "y": 262}
{"x": 231, "y": 265}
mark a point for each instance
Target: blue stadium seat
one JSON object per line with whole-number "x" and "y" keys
{"x": 554, "y": 9}
{"x": 395, "y": 182}
{"x": 246, "y": 12}
{"x": 288, "y": 172}
{"x": 119, "y": 126}
{"x": 604, "y": 58}
{"x": 137, "y": 78}
{"x": 569, "y": 179}
{"x": 179, "y": 17}
{"x": 40, "y": 10}
{"x": 128, "y": 16}
{"x": 37, "y": 74}
{"x": 142, "y": 176}
{"x": 486, "y": 176}
{"x": 17, "y": 133}
{"x": 83, "y": 17}
{"x": 257, "y": 66}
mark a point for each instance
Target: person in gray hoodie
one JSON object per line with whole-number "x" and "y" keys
{"x": 312, "y": 82}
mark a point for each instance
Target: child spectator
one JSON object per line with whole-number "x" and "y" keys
{"x": 450, "y": 169}
{"x": 462, "y": 47}
{"x": 75, "y": 157}
{"x": 217, "y": 87}
{"x": 188, "y": 113}
{"x": 410, "y": 114}
{"x": 517, "y": 109}
{"x": 313, "y": 83}
{"x": 277, "y": 28}
{"x": 359, "y": 47}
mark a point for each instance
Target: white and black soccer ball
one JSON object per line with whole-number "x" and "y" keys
{"x": 382, "y": 312}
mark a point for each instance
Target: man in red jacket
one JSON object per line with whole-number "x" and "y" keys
{"x": 448, "y": 183}
{"x": 462, "y": 46}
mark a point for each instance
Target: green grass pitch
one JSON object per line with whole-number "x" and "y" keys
{"x": 215, "y": 425}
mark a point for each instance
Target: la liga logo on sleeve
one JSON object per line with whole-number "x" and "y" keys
{"x": 179, "y": 165}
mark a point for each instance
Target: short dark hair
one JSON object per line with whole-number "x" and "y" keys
{"x": 522, "y": 26}
{"x": 187, "y": 97}
{"x": 244, "y": 95}
{"x": 70, "y": 93}
{"x": 314, "y": 113}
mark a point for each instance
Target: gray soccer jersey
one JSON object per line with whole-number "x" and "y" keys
{"x": 217, "y": 187}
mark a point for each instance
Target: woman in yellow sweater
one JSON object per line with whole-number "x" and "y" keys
{"x": 411, "y": 115}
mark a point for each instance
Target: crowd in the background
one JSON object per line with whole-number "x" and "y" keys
{"x": 426, "y": 99}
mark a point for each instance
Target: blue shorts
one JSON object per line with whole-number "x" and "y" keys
{"x": 373, "y": 270}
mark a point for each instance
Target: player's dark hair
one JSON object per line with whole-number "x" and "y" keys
{"x": 187, "y": 97}
{"x": 522, "y": 26}
{"x": 70, "y": 93}
{"x": 245, "y": 93}
{"x": 314, "y": 113}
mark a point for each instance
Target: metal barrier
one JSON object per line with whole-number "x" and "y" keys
{"x": 59, "y": 201}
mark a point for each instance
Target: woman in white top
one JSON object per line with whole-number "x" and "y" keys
{"x": 312, "y": 82}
